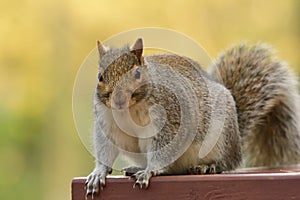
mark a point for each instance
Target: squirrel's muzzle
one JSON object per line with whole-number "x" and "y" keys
{"x": 119, "y": 100}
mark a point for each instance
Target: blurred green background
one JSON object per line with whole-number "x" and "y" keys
{"x": 43, "y": 43}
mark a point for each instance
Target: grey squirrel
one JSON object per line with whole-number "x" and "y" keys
{"x": 252, "y": 94}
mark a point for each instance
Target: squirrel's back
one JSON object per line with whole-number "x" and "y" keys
{"x": 266, "y": 95}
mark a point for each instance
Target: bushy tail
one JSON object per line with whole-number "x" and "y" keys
{"x": 267, "y": 100}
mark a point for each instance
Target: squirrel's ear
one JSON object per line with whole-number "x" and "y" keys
{"x": 137, "y": 48}
{"x": 101, "y": 48}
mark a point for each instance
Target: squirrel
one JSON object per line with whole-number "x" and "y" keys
{"x": 163, "y": 110}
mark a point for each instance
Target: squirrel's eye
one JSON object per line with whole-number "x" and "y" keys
{"x": 100, "y": 78}
{"x": 137, "y": 74}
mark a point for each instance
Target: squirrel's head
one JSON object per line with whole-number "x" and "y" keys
{"x": 120, "y": 76}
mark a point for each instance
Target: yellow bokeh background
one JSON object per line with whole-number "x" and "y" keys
{"x": 43, "y": 43}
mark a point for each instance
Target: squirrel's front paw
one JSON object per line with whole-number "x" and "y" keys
{"x": 95, "y": 180}
{"x": 142, "y": 178}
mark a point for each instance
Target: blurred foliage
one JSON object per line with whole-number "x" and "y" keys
{"x": 43, "y": 44}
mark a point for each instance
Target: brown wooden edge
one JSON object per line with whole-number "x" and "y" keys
{"x": 272, "y": 184}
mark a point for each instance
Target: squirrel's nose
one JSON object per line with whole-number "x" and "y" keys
{"x": 119, "y": 99}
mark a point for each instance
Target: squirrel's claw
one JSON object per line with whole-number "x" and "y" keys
{"x": 93, "y": 182}
{"x": 142, "y": 178}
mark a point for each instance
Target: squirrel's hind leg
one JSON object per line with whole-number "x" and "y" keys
{"x": 205, "y": 169}
{"x": 130, "y": 171}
